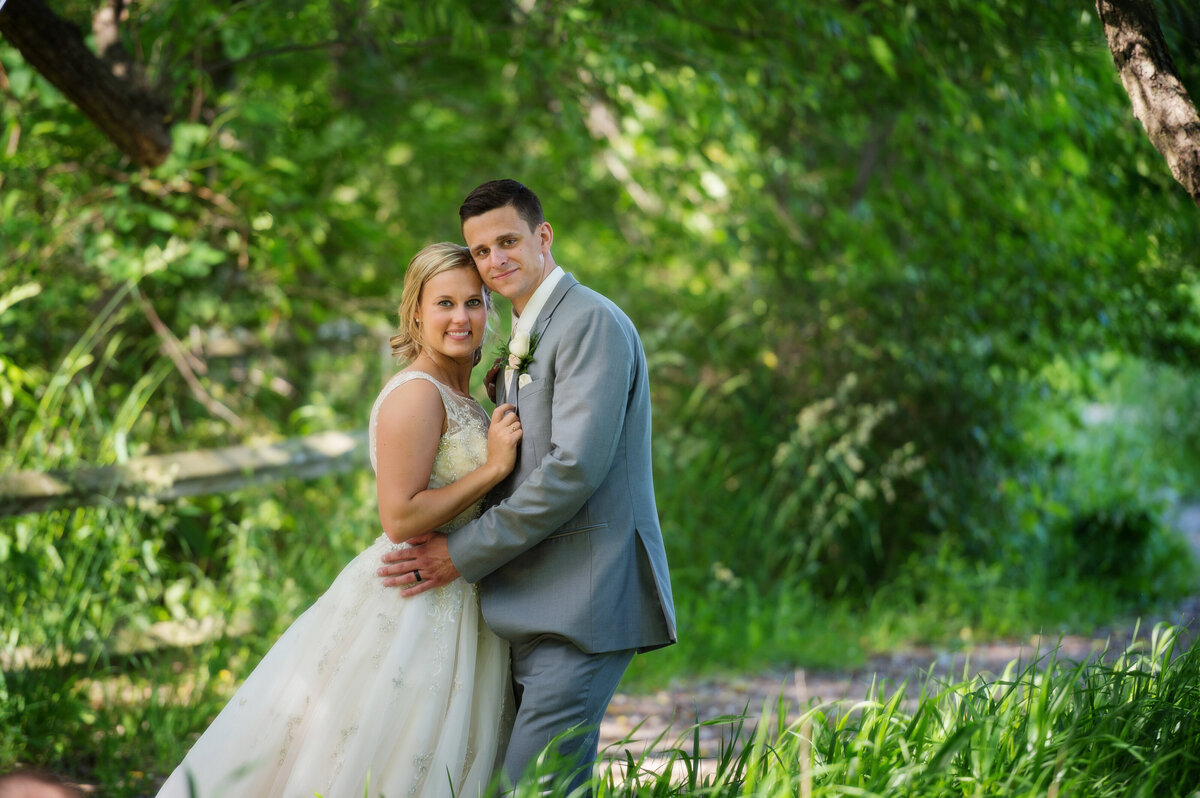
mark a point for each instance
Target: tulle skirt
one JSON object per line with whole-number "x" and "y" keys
{"x": 369, "y": 694}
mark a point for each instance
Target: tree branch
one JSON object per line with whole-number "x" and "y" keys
{"x": 132, "y": 117}
{"x": 180, "y": 357}
{"x": 1160, "y": 101}
{"x": 274, "y": 51}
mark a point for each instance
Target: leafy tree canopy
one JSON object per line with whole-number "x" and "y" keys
{"x": 941, "y": 201}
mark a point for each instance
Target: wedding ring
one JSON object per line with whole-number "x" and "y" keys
{"x": 417, "y": 574}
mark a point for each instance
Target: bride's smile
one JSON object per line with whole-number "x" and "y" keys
{"x": 452, "y": 314}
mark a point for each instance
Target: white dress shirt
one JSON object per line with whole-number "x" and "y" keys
{"x": 527, "y": 319}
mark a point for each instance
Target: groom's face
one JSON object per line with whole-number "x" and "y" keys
{"x": 511, "y": 257}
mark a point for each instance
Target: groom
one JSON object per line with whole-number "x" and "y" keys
{"x": 570, "y": 563}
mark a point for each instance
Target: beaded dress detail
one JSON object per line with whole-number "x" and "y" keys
{"x": 407, "y": 695}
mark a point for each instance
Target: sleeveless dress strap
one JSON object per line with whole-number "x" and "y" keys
{"x": 395, "y": 382}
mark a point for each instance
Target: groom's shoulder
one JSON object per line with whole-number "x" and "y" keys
{"x": 583, "y": 299}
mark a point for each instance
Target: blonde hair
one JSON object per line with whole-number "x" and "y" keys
{"x": 430, "y": 261}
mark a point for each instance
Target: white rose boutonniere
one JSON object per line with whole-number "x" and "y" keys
{"x": 518, "y": 352}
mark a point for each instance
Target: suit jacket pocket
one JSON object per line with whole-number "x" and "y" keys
{"x": 568, "y": 530}
{"x": 528, "y": 389}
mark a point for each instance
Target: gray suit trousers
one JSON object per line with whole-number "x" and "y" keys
{"x": 559, "y": 687}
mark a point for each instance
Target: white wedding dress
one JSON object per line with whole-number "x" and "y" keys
{"x": 369, "y": 693}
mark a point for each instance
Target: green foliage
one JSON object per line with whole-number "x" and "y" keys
{"x": 1119, "y": 726}
{"x": 830, "y": 490}
{"x": 1109, "y": 542}
{"x": 98, "y": 679}
{"x": 883, "y": 258}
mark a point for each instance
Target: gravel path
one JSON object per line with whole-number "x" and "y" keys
{"x": 653, "y": 721}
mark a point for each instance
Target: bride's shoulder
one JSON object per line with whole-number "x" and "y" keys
{"x": 407, "y": 376}
{"x": 409, "y": 392}
{"x": 411, "y": 383}
{"x": 407, "y": 409}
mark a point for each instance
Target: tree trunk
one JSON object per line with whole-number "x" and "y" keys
{"x": 1160, "y": 101}
{"x": 131, "y": 116}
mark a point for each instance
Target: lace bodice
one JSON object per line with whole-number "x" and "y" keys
{"x": 463, "y": 446}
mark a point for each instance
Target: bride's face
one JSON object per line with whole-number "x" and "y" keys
{"x": 452, "y": 313}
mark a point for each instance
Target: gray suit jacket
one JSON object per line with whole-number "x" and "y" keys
{"x": 574, "y": 548}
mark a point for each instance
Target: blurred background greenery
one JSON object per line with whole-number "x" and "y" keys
{"x": 921, "y": 304}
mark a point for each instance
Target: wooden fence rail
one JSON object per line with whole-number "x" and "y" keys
{"x": 169, "y": 476}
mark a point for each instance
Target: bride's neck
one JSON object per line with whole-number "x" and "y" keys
{"x": 453, "y": 373}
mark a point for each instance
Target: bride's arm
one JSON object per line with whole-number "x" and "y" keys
{"x": 408, "y": 430}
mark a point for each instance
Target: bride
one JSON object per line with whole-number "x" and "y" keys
{"x": 370, "y": 693}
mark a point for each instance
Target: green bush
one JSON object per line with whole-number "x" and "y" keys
{"x": 1109, "y": 542}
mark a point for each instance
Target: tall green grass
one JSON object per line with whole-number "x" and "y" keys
{"x": 1122, "y": 726}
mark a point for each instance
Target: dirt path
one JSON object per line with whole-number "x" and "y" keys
{"x": 665, "y": 714}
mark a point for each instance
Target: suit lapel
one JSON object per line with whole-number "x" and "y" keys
{"x": 564, "y": 285}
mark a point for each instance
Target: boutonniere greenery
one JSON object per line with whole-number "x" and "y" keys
{"x": 518, "y": 351}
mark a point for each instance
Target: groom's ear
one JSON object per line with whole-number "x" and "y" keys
{"x": 545, "y": 234}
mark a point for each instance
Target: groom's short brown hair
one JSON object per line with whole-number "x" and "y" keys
{"x": 499, "y": 193}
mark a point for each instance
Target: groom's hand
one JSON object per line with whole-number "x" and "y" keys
{"x": 423, "y": 567}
